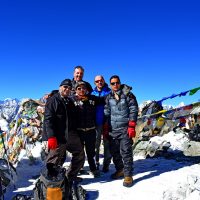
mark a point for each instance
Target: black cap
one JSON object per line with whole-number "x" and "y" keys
{"x": 80, "y": 83}
{"x": 66, "y": 82}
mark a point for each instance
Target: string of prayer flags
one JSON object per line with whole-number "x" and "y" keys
{"x": 191, "y": 92}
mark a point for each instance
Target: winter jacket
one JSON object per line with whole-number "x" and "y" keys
{"x": 119, "y": 112}
{"x": 86, "y": 111}
{"x": 100, "y": 108}
{"x": 59, "y": 117}
{"x": 88, "y": 86}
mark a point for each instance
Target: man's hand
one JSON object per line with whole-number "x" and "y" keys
{"x": 131, "y": 129}
{"x": 52, "y": 143}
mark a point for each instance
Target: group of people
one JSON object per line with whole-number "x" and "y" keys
{"x": 77, "y": 117}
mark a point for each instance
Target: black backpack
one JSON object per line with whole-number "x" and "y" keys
{"x": 52, "y": 187}
{"x": 194, "y": 134}
{"x": 57, "y": 187}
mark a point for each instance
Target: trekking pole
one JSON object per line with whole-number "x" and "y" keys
{"x": 5, "y": 153}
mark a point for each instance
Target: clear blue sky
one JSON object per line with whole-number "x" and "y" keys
{"x": 154, "y": 46}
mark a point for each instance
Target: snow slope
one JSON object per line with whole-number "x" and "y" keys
{"x": 152, "y": 177}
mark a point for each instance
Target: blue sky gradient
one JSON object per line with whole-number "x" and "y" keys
{"x": 154, "y": 46}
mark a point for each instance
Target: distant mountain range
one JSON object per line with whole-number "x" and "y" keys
{"x": 9, "y": 108}
{"x": 165, "y": 107}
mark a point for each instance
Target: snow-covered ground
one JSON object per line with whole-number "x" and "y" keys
{"x": 152, "y": 178}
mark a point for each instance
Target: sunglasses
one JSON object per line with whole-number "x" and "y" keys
{"x": 99, "y": 81}
{"x": 81, "y": 88}
{"x": 67, "y": 87}
{"x": 115, "y": 83}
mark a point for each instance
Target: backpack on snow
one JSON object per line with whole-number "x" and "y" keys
{"x": 194, "y": 134}
{"x": 57, "y": 187}
{"x": 52, "y": 187}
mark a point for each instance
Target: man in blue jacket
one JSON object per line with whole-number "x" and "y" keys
{"x": 101, "y": 90}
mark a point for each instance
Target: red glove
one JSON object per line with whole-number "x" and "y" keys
{"x": 105, "y": 131}
{"x": 52, "y": 143}
{"x": 131, "y": 129}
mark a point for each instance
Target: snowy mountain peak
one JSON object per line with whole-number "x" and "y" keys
{"x": 9, "y": 108}
{"x": 181, "y": 105}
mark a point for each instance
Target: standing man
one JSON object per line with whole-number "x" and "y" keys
{"x": 101, "y": 90}
{"x": 78, "y": 76}
{"x": 121, "y": 111}
{"x": 85, "y": 108}
{"x": 60, "y": 127}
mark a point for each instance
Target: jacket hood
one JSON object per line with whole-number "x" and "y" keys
{"x": 125, "y": 88}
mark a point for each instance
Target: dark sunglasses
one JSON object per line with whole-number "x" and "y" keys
{"x": 99, "y": 81}
{"x": 81, "y": 88}
{"x": 115, "y": 83}
{"x": 67, "y": 87}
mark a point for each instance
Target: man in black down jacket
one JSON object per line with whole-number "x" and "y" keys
{"x": 121, "y": 111}
{"x": 59, "y": 122}
{"x": 85, "y": 107}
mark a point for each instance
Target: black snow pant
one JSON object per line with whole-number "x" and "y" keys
{"x": 121, "y": 150}
{"x": 88, "y": 139}
{"x": 75, "y": 147}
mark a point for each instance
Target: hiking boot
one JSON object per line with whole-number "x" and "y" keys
{"x": 96, "y": 173}
{"x": 83, "y": 172}
{"x": 128, "y": 181}
{"x": 117, "y": 174}
{"x": 105, "y": 169}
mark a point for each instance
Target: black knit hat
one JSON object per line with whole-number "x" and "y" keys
{"x": 66, "y": 82}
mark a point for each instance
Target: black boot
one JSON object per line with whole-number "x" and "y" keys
{"x": 105, "y": 169}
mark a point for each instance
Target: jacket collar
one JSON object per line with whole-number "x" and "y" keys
{"x": 104, "y": 89}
